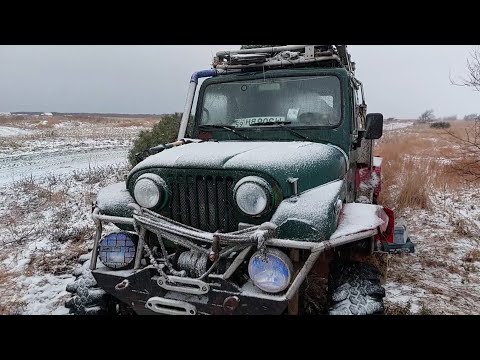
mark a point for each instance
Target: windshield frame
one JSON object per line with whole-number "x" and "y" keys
{"x": 272, "y": 74}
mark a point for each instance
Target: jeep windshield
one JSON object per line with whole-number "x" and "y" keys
{"x": 295, "y": 101}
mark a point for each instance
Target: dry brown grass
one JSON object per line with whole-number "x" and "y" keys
{"x": 8, "y": 285}
{"x": 47, "y": 122}
{"x": 396, "y": 309}
{"x": 417, "y": 160}
{"x": 315, "y": 295}
{"x": 74, "y": 128}
{"x": 57, "y": 263}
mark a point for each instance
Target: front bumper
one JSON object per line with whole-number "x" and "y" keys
{"x": 223, "y": 297}
{"x": 148, "y": 292}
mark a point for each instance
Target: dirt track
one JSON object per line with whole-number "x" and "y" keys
{"x": 13, "y": 168}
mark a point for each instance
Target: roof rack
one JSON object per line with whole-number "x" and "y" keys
{"x": 283, "y": 56}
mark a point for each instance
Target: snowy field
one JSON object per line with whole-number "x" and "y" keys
{"x": 397, "y": 125}
{"x": 50, "y": 172}
{"x": 6, "y": 131}
{"x": 442, "y": 210}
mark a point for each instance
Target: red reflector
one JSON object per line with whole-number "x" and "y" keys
{"x": 389, "y": 234}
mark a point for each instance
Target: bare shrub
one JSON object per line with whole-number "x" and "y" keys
{"x": 56, "y": 263}
{"x": 98, "y": 174}
{"x": 396, "y": 309}
{"x": 18, "y": 234}
{"x": 461, "y": 227}
{"x": 472, "y": 256}
{"x": 440, "y": 125}
{"x": 427, "y": 116}
{"x": 468, "y": 141}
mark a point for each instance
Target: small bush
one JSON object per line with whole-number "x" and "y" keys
{"x": 165, "y": 131}
{"x": 440, "y": 125}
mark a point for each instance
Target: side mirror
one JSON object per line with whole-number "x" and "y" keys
{"x": 374, "y": 126}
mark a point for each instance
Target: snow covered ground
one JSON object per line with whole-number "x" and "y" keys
{"x": 36, "y": 165}
{"x": 46, "y": 228}
{"x": 49, "y": 175}
{"x": 12, "y": 131}
{"x": 51, "y": 171}
{"x": 396, "y": 125}
{"x": 443, "y": 276}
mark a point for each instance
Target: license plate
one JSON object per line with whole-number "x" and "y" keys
{"x": 246, "y": 122}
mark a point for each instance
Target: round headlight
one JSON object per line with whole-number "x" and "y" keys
{"x": 149, "y": 191}
{"x": 117, "y": 250}
{"x": 272, "y": 274}
{"x": 253, "y": 195}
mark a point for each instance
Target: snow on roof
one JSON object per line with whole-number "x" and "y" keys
{"x": 47, "y": 114}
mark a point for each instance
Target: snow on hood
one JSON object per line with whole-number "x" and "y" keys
{"x": 291, "y": 159}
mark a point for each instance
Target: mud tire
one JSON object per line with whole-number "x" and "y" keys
{"x": 355, "y": 289}
{"x": 87, "y": 298}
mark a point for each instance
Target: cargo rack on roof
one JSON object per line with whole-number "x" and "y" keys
{"x": 284, "y": 56}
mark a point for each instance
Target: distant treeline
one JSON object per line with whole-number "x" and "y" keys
{"x": 31, "y": 113}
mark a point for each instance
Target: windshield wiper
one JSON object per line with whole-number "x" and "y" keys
{"x": 226, "y": 127}
{"x": 281, "y": 124}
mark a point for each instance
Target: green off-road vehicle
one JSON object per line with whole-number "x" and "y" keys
{"x": 266, "y": 204}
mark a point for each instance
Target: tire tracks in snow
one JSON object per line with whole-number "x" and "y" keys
{"x": 37, "y": 165}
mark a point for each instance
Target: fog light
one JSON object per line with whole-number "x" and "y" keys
{"x": 117, "y": 250}
{"x": 271, "y": 274}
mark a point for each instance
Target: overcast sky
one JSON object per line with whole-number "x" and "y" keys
{"x": 399, "y": 81}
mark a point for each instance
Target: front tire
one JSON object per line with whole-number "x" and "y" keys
{"x": 355, "y": 289}
{"x": 88, "y": 298}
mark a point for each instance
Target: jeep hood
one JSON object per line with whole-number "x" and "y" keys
{"x": 313, "y": 164}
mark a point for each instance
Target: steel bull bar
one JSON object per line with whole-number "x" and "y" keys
{"x": 163, "y": 227}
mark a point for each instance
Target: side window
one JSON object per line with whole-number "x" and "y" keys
{"x": 355, "y": 109}
{"x": 359, "y": 125}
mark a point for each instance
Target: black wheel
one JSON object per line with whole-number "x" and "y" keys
{"x": 354, "y": 289}
{"x": 87, "y": 298}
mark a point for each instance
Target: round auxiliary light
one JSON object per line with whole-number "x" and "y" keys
{"x": 117, "y": 250}
{"x": 272, "y": 274}
{"x": 150, "y": 191}
{"x": 253, "y": 195}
